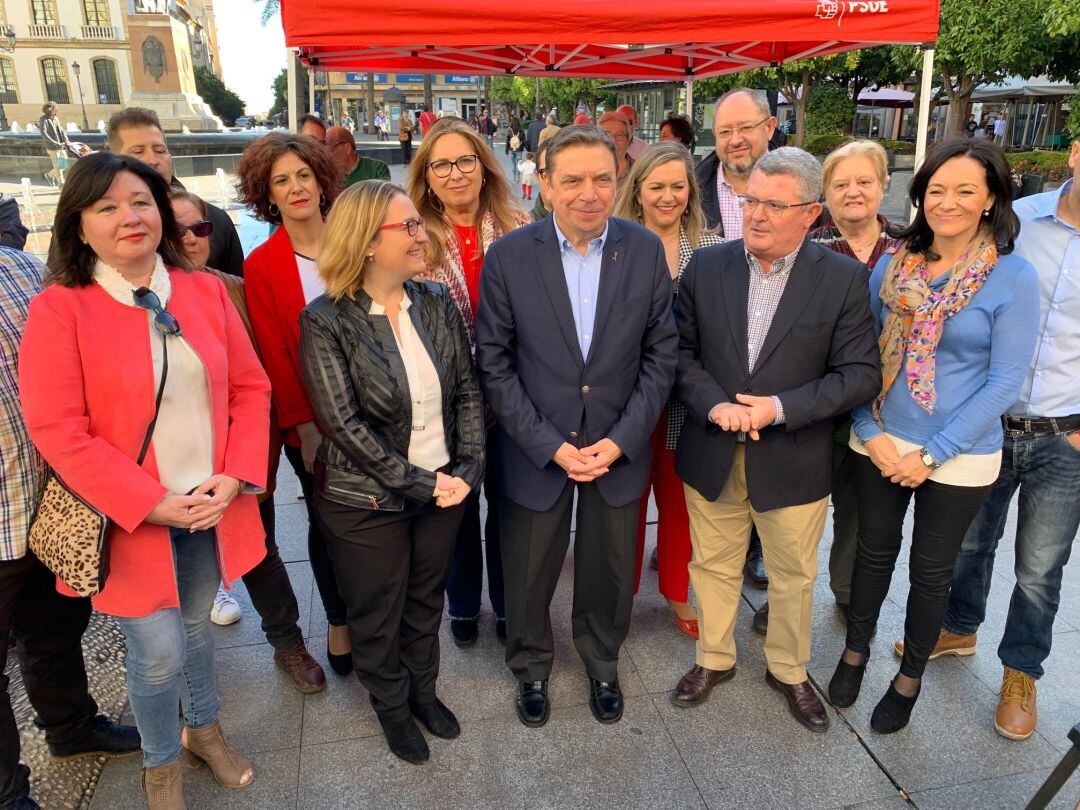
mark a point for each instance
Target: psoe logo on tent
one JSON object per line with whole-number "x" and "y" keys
{"x": 835, "y": 10}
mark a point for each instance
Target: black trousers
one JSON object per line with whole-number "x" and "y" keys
{"x": 271, "y": 592}
{"x": 319, "y": 557}
{"x": 466, "y": 583}
{"x": 534, "y": 546}
{"x": 406, "y": 152}
{"x": 942, "y": 516}
{"x": 391, "y": 570}
{"x": 49, "y": 629}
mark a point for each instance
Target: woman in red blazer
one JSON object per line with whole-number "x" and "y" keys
{"x": 115, "y": 311}
{"x": 291, "y": 181}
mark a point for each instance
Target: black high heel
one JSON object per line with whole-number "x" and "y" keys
{"x": 341, "y": 664}
{"x": 893, "y": 710}
{"x": 846, "y": 683}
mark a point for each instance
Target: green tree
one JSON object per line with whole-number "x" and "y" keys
{"x": 829, "y": 109}
{"x": 224, "y": 102}
{"x": 566, "y": 94}
{"x": 795, "y": 79}
{"x": 281, "y": 89}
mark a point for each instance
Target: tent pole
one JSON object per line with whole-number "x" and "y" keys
{"x": 311, "y": 89}
{"x": 290, "y": 74}
{"x": 924, "y": 103}
{"x": 690, "y": 100}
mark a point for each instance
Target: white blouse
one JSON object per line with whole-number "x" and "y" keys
{"x": 310, "y": 281}
{"x": 183, "y": 437}
{"x": 427, "y": 445}
{"x": 964, "y": 470}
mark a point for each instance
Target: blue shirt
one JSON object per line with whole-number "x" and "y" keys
{"x": 1052, "y": 385}
{"x": 981, "y": 359}
{"x": 582, "y": 282}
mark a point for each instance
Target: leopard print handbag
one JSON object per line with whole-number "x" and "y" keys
{"x": 69, "y": 535}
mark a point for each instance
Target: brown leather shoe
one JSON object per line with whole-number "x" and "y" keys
{"x": 307, "y": 676}
{"x": 803, "y": 703}
{"x": 694, "y": 687}
{"x": 947, "y": 644}
{"x": 1017, "y": 714}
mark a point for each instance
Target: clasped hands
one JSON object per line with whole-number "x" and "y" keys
{"x": 202, "y": 509}
{"x": 449, "y": 490}
{"x": 748, "y": 415}
{"x": 907, "y": 470}
{"x": 587, "y": 463}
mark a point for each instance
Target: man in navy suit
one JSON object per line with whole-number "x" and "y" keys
{"x": 577, "y": 348}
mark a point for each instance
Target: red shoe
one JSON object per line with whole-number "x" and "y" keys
{"x": 688, "y": 626}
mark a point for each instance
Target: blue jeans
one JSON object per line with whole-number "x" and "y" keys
{"x": 170, "y": 653}
{"x": 1047, "y": 471}
{"x": 514, "y": 158}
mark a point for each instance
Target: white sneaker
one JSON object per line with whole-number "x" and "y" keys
{"x": 226, "y": 610}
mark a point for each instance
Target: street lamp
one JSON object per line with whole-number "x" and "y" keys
{"x": 9, "y": 48}
{"x": 82, "y": 102}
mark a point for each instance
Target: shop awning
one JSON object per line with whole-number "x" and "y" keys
{"x": 607, "y": 39}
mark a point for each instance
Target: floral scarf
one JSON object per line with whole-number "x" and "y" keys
{"x": 916, "y": 315}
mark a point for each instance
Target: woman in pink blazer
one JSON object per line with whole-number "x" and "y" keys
{"x": 117, "y": 315}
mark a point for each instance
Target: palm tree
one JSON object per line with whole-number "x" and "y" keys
{"x": 271, "y": 9}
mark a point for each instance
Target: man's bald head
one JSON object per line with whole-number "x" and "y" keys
{"x": 342, "y": 147}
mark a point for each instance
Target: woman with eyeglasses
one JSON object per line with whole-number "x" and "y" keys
{"x": 291, "y": 181}
{"x": 268, "y": 583}
{"x": 387, "y": 362}
{"x": 121, "y": 323}
{"x": 662, "y": 194}
{"x": 460, "y": 190}
{"x": 957, "y": 315}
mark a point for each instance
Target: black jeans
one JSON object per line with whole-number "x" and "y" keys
{"x": 406, "y": 152}
{"x": 271, "y": 592}
{"x": 392, "y": 569}
{"x": 319, "y": 557}
{"x": 49, "y": 629}
{"x": 942, "y": 516}
{"x": 466, "y": 582}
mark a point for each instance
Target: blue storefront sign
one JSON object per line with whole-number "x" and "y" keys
{"x": 407, "y": 78}
{"x": 448, "y": 79}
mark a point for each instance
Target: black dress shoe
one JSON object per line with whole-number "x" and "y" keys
{"x": 761, "y": 619}
{"x": 846, "y": 683}
{"x": 341, "y": 664}
{"x": 105, "y": 739}
{"x": 405, "y": 740}
{"x": 437, "y": 719}
{"x": 25, "y": 803}
{"x": 605, "y": 700}
{"x": 893, "y": 710}
{"x": 464, "y": 631}
{"x": 754, "y": 570}
{"x": 500, "y": 630}
{"x": 533, "y": 707}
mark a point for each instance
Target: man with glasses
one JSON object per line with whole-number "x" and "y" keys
{"x": 137, "y": 132}
{"x": 617, "y": 126}
{"x": 354, "y": 167}
{"x": 756, "y": 448}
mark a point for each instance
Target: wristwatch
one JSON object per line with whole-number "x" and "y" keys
{"x": 928, "y": 459}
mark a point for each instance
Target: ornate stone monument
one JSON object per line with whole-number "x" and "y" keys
{"x": 163, "y": 79}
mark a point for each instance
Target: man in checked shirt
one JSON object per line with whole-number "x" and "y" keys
{"x": 47, "y": 626}
{"x": 775, "y": 339}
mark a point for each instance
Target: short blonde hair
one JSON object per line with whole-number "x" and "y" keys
{"x": 871, "y": 150}
{"x": 628, "y": 202}
{"x": 351, "y": 227}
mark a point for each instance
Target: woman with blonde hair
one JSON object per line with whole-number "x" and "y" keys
{"x": 389, "y": 373}
{"x": 460, "y": 190}
{"x": 661, "y": 193}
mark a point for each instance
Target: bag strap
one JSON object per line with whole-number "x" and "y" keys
{"x": 157, "y": 401}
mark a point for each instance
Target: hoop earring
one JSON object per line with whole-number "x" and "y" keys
{"x": 322, "y": 200}
{"x": 436, "y": 203}
{"x": 273, "y": 209}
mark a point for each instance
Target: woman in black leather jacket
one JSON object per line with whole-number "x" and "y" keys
{"x": 387, "y": 367}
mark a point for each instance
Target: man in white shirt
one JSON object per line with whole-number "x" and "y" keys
{"x": 636, "y": 145}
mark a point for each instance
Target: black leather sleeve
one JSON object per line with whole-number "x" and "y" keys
{"x": 470, "y": 437}
{"x": 326, "y": 375}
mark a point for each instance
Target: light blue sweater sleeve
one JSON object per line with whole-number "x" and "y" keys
{"x": 1012, "y": 343}
{"x": 862, "y": 417}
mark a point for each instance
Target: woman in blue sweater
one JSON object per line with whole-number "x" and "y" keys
{"x": 957, "y": 317}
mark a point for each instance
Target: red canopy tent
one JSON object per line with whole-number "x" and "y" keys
{"x": 679, "y": 40}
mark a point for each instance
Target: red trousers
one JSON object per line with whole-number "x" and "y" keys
{"x": 673, "y": 526}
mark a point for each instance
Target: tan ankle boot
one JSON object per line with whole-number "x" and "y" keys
{"x": 164, "y": 787}
{"x": 231, "y": 769}
{"x": 1017, "y": 714}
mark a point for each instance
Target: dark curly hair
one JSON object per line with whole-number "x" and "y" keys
{"x": 253, "y": 171}
{"x": 681, "y": 128}
{"x": 1002, "y": 221}
{"x": 71, "y": 261}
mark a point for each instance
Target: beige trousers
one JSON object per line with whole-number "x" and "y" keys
{"x": 719, "y": 535}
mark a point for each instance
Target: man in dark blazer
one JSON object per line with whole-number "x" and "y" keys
{"x": 775, "y": 339}
{"x": 576, "y": 346}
